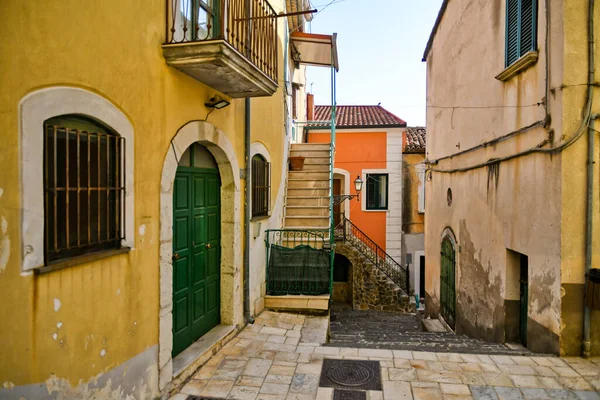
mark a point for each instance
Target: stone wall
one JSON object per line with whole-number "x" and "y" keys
{"x": 371, "y": 289}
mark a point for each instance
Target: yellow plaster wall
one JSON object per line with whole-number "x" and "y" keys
{"x": 414, "y": 221}
{"x": 574, "y": 174}
{"x": 111, "y": 48}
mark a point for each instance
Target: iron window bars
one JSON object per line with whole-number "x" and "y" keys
{"x": 84, "y": 188}
{"x": 261, "y": 187}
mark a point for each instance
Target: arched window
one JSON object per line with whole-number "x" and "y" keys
{"x": 261, "y": 186}
{"x": 84, "y": 187}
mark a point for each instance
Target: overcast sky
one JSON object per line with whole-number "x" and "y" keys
{"x": 380, "y": 47}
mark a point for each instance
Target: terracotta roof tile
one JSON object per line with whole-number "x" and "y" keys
{"x": 415, "y": 139}
{"x": 359, "y": 116}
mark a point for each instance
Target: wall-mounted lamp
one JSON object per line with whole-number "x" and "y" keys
{"x": 217, "y": 102}
{"x": 339, "y": 198}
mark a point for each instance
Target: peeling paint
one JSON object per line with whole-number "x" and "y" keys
{"x": 59, "y": 325}
{"x": 62, "y": 390}
{"x": 57, "y": 304}
{"x": 118, "y": 292}
{"x": 8, "y": 385}
{"x": 4, "y": 244}
{"x": 55, "y": 336}
{"x": 142, "y": 230}
{"x": 1, "y": 192}
{"x": 102, "y": 353}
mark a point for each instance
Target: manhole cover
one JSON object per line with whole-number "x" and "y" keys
{"x": 349, "y": 395}
{"x": 351, "y": 374}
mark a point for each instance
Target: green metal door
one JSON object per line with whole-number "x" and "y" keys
{"x": 524, "y": 294}
{"x": 196, "y": 255}
{"x": 448, "y": 282}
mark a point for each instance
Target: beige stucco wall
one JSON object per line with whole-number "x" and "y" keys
{"x": 66, "y": 328}
{"x": 515, "y": 206}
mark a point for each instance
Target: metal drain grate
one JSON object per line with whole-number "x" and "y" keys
{"x": 351, "y": 374}
{"x": 349, "y": 395}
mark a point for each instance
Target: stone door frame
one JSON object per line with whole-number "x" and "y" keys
{"x": 222, "y": 150}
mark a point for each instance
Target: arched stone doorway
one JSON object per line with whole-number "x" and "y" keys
{"x": 230, "y": 311}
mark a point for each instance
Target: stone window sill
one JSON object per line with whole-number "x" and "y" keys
{"x": 84, "y": 259}
{"x": 530, "y": 58}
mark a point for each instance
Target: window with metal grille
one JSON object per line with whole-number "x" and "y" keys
{"x": 261, "y": 186}
{"x": 377, "y": 191}
{"x": 521, "y": 26}
{"x": 84, "y": 187}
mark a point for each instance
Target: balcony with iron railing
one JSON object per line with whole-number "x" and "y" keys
{"x": 230, "y": 45}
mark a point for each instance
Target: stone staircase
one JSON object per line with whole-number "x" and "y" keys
{"x": 308, "y": 191}
{"x": 383, "y": 330}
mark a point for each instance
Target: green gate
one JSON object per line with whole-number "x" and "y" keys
{"x": 448, "y": 282}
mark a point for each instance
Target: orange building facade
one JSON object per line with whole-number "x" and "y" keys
{"x": 368, "y": 145}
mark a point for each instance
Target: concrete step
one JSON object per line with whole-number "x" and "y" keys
{"x": 308, "y": 192}
{"x": 303, "y": 222}
{"x": 310, "y": 146}
{"x": 310, "y": 154}
{"x": 301, "y": 183}
{"x": 309, "y": 174}
{"x": 308, "y": 201}
{"x": 308, "y": 167}
{"x": 322, "y": 211}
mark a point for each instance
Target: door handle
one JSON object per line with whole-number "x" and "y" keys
{"x": 208, "y": 246}
{"x": 176, "y": 256}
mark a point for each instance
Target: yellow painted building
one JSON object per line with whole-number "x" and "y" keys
{"x": 122, "y": 201}
{"x": 512, "y": 212}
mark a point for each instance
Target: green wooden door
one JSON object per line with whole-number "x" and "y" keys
{"x": 196, "y": 255}
{"x": 524, "y": 294}
{"x": 448, "y": 282}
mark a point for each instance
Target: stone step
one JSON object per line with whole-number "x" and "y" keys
{"x": 309, "y": 201}
{"x": 318, "y": 175}
{"x": 303, "y": 222}
{"x": 322, "y": 211}
{"x": 307, "y": 183}
{"x": 317, "y": 167}
{"x": 308, "y": 192}
{"x": 310, "y": 146}
{"x": 321, "y": 157}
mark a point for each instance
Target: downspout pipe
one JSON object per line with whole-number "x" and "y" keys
{"x": 247, "y": 113}
{"x": 589, "y": 184}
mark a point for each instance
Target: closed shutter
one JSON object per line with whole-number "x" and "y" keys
{"x": 520, "y": 28}
{"x": 512, "y": 31}
{"x": 527, "y": 38}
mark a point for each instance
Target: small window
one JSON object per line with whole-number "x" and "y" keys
{"x": 377, "y": 191}
{"x": 261, "y": 187}
{"x": 84, "y": 187}
{"x": 521, "y": 26}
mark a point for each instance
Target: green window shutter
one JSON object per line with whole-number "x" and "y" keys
{"x": 512, "y": 31}
{"x": 528, "y": 26}
{"x": 521, "y": 18}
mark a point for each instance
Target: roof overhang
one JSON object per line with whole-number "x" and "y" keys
{"x": 317, "y": 50}
{"x": 296, "y": 21}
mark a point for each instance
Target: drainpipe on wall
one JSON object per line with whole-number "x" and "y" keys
{"x": 247, "y": 317}
{"x": 589, "y": 185}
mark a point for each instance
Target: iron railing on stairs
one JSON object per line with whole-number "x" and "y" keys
{"x": 348, "y": 232}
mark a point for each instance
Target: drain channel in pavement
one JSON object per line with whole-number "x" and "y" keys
{"x": 351, "y": 374}
{"x": 349, "y": 395}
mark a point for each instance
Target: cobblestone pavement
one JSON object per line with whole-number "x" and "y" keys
{"x": 281, "y": 356}
{"x": 384, "y": 330}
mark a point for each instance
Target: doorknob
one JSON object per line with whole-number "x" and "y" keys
{"x": 208, "y": 246}
{"x": 176, "y": 256}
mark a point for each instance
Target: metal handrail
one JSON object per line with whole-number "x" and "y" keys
{"x": 250, "y": 26}
{"x": 382, "y": 260}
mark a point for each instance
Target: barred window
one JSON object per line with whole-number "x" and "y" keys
{"x": 84, "y": 187}
{"x": 261, "y": 186}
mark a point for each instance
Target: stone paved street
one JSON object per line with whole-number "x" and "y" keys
{"x": 384, "y": 330}
{"x": 281, "y": 355}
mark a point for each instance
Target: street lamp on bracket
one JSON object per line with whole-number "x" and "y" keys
{"x": 339, "y": 198}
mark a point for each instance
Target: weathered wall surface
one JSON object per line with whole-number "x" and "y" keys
{"x": 66, "y": 328}
{"x": 574, "y": 175}
{"x": 413, "y": 221}
{"x": 514, "y": 205}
